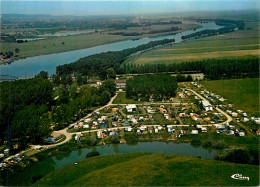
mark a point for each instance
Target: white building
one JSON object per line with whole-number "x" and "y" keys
{"x": 207, "y": 106}
{"x": 131, "y": 108}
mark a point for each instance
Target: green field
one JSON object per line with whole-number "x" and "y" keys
{"x": 243, "y": 93}
{"x": 48, "y": 46}
{"x": 236, "y": 44}
{"x": 121, "y": 99}
{"x": 150, "y": 169}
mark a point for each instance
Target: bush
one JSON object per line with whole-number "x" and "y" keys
{"x": 234, "y": 155}
{"x": 92, "y": 154}
{"x": 195, "y": 142}
{"x": 64, "y": 148}
{"x": 36, "y": 178}
{"x": 220, "y": 144}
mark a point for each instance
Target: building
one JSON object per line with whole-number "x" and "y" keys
{"x": 121, "y": 83}
{"x": 131, "y": 108}
{"x": 207, "y": 106}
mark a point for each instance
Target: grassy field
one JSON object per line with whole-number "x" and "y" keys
{"x": 243, "y": 93}
{"x": 121, "y": 99}
{"x": 48, "y": 46}
{"x": 150, "y": 169}
{"x": 239, "y": 43}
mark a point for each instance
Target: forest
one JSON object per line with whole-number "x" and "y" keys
{"x": 33, "y": 109}
{"x": 99, "y": 63}
{"x": 30, "y": 100}
{"x": 155, "y": 86}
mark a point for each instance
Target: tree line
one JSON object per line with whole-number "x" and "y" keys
{"x": 205, "y": 33}
{"x": 145, "y": 86}
{"x": 212, "y": 68}
{"x": 98, "y": 64}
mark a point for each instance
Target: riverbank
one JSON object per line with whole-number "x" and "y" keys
{"x": 139, "y": 169}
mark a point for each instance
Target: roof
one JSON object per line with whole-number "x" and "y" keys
{"x": 206, "y": 103}
{"x": 121, "y": 81}
{"x": 130, "y": 106}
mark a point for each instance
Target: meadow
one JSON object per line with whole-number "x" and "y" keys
{"x": 150, "y": 169}
{"x": 243, "y": 93}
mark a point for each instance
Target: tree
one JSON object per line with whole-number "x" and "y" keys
{"x": 43, "y": 74}
{"x": 69, "y": 80}
{"x": 110, "y": 86}
{"x": 93, "y": 140}
{"x": 104, "y": 98}
{"x": 79, "y": 79}
{"x": 180, "y": 78}
{"x": 85, "y": 80}
{"x": 63, "y": 79}
{"x": 17, "y": 50}
{"x": 62, "y": 43}
{"x": 189, "y": 78}
{"x": 111, "y": 74}
{"x": 56, "y": 79}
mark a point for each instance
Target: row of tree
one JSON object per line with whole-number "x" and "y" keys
{"x": 205, "y": 33}
{"x": 212, "y": 68}
{"x": 155, "y": 86}
{"x": 98, "y": 64}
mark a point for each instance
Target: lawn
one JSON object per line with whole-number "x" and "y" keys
{"x": 243, "y": 93}
{"x": 121, "y": 99}
{"x": 239, "y": 43}
{"x": 150, "y": 169}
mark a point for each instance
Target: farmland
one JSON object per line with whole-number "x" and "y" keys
{"x": 244, "y": 93}
{"x": 242, "y": 43}
{"x": 141, "y": 169}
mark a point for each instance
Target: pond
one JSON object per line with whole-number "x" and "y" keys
{"x": 32, "y": 66}
{"x": 46, "y": 166}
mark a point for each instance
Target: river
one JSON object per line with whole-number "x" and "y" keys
{"x": 46, "y": 166}
{"x": 26, "y": 68}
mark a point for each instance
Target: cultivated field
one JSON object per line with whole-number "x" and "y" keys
{"x": 230, "y": 45}
{"x": 150, "y": 169}
{"x": 243, "y": 93}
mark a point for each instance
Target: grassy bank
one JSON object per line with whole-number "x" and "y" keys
{"x": 243, "y": 93}
{"x": 151, "y": 169}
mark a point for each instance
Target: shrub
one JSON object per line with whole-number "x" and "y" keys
{"x": 92, "y": 154}
{"x": 195, "y": 142}
{"x": 36, "y": 178}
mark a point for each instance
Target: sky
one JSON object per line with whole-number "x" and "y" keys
{"x": 115, "y": 7}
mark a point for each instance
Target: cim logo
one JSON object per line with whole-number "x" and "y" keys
{"x": 239, "y": 177}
